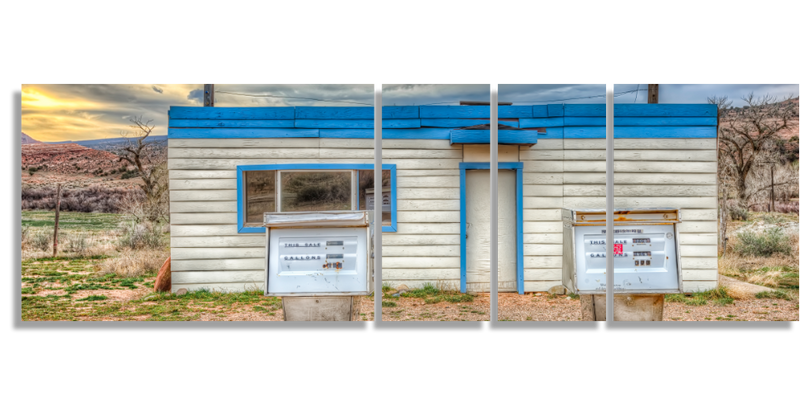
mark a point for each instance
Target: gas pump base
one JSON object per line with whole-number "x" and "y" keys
{"x": 319, "y": 308}
{"x": 627, "y": 307}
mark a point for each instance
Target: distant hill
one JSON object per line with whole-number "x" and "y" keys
{"x": 27, "y": 140}
{"x": 112, "y": 143}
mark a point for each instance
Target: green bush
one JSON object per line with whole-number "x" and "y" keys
{"x": 739, "y": 213}
{"x": 766, "y": 244}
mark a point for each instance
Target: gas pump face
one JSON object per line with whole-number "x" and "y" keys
{"x": 645, "y": 258}
{"x": 322, "y": 260}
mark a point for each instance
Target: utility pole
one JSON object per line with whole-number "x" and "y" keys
{"x": 208, "y": 95}
{"x": 55, "y": 231}
{"x": 652, "y": 94}
{"x": 772, "y": 188}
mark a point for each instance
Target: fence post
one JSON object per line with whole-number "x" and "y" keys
{"x": 55, "y": 230}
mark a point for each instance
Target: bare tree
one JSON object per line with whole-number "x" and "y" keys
{"x": 723, "y": 174}
{"x": 748, "y": 134}
{"x": 150, "y": 161}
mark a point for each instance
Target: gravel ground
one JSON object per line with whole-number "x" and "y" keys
{"x": 415, "y": 309}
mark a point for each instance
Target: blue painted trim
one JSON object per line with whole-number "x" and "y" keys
{"x": 356, "y": 124}
{"x": 555, "y": 110}
{"x": 420, "y": 133}
{"x": 553, "y": 133}
{"x": 232, "y": 113}
{"x": 541, "y": 122}
{"x": 503, "y": 137}
{"x": 518, "y": 167}
{"x": 181, "y": 123}
{"x": 460, "y": 122}
{"x": 641, "y": 132}
{"x": 347, "y": 133}
{"x": 642, "y": 110}
{"x": 475, "y": 111}
{"x": 335, "y": 113}
{"x": 232, "y": 133}
{"x": 540, "y": 111}
{"x": 399, "y": 112}
{"x": 640, "y": 121}
{"x": 311, "y": 166}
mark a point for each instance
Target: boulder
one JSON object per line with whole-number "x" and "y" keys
{"x": 557, "y": 290}
{"x": 164, "y": 278}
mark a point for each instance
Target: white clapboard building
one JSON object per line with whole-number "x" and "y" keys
{"x": 230, "y": 165}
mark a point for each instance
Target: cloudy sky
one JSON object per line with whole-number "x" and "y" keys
{"x": 52, "y": 113}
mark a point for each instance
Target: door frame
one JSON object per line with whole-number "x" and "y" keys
{"x": 516, "y": 166}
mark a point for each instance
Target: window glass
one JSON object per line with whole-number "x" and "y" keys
{"x": 259, "y": 195}
{"x": 366, "y": 193}
{"x": 316, "y": 191}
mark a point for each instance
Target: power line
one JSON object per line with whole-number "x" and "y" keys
{"x": 300, "y": 98}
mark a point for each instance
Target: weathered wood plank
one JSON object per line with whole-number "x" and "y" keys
{"x": 428, "y": 205}
{"x": 698, "y": 250}
{"x": 542, "y": 227}
{"x": 641, "y": 191}
{"x": 420, "y": 262}
{"x": 430, "y": 229}
{"x": 421, "y": 154}
{"x": 641, "y": 121}
{"x": 239, "y": 133}
{"x": 480, "y": 153}
{"x": 699, "y": 215}
{"x": 230, "y": 164}
{"x": 204, "y": 230}
{"x": 422, "y": 251}
{"x": 201, "y": 174}
{"x": 641, "y": 202}
{"x": 636, "y": 167}
{"x": 207, "y": 206}
{"x": 429, "y": 182}
{"x": 178, "y": 253}
{"x": 541, "y": 214}
{"x": 543, "y": 262}
{"x": 662, "y": 155}
{"x": 699, "y": 286}
{"x": 426, "y": 173}
{"x": 543, "y": 250}
{"x": 240, "y": 276}
{"x": 543, "y": 238}
{"x": 699, "y": 239}
{"x": 230, "y": 265}
{"x": 203, "y": 184}
{"x": 202, "y": 195}
{"x": 543, "y": 190}
{"x": 428, "y": 216}
{"x": 543, "y": 202}
{"x": 249, "y": 240}
{"x": 418, "y": 144}
{"x": 245, "y": 143}
{"x": 247, "y": 153}
{"x": 540, "y": 274}
{"x": 232, "y": 113}
{"x": 586, "y": 178}
{"x": 220, "y": 287}
{"x": 640, "y": 144}
{"x": 700, "y": 275}
{"x": 460, "y": 123}
{"x": 699, "y": 263}
{"x": 179, "y": 123}
{"x": 697, "y": 227}
{"x": 428, "y": 193}
{"x": 664, "y": 178}
{"x": 542, "y": 178}
{"x": 398, "y": 239}
{"x": 423, "y": 274}
{"x": 343, "y": 143}
{"x": 179, "y": 218}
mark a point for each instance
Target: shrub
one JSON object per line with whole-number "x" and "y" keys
{"x": 388, "y": 304}
{"x": 739, "y": 213}
{"x": 41, "y": 241}
{"x": 765, "y": 244}
{"x": 92, "y": 199}
{"x": 142, "y": 235}
{"x": 76, "y": 243}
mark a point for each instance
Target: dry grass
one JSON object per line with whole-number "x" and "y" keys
{"x": 134, "y": 263}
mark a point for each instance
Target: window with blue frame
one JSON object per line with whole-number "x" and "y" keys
{"x": 313, "y": 187}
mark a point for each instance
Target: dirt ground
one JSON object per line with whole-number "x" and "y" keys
{"x": 546, "y": 307}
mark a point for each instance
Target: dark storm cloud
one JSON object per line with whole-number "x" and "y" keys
{"x": 440, "y": 94}
{"x": 353, "y": 95}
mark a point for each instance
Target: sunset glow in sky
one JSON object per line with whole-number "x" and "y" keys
{"x": 54, "y": 113}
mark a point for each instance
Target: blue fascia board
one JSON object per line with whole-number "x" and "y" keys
{"x": 335, "y": 113}
{"x": 233, "y": 133}
{"x": 642, "y": 110}
{"x": 309, "y": 166}
{"x": 357, "y": 124}
{"x": 555, "y": 110}
{"x": 541, "y": 122}
{"x": 232, "y": 113}
{"x": 518, "y": 167}
{"x": 454, "y": 123}
{"x": 503, "y": 137}
{"x": 454, "y": 111}
{"x": 515, "y": 111}
{"x": 540, "y": 111}
{"x": 400, "y": 112}
{"x": 181, "y": 123}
